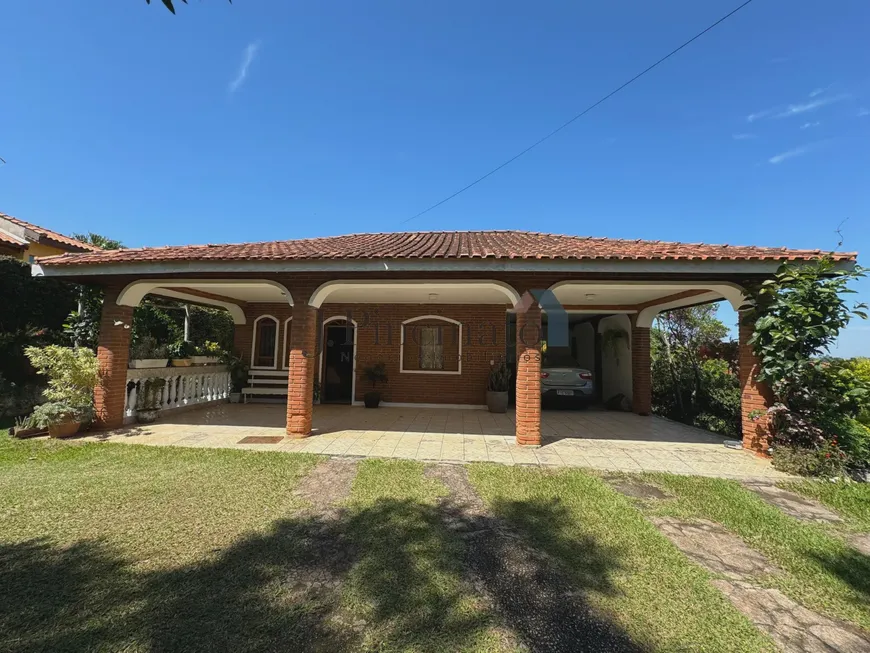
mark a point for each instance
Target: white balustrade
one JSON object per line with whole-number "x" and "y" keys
{"x": 184, "y": 386}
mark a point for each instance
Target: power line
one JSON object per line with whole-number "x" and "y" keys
{"x": 579, "y": 115}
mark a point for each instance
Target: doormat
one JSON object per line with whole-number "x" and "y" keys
{"x": 261, "y": 439}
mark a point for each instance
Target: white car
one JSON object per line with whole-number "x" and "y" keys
{"x": 562, "y": 376}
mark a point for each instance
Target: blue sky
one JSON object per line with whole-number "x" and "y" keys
{"x": 265, "y": 120}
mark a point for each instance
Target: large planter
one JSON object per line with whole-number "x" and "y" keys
{"x": 204, "y": 360}
{"x": 235, "y": 397}
{"x": 148, "y": 363}
{"x": 147, "y": 416}
{"x": 182, "y": 362}
{"x": 372, "y": 399}
{"x": 497, "y": 402}
{"x": 64, "y": 429}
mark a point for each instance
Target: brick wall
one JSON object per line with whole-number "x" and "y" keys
{"x": 113, "y": 354}
{"x": 641, "y": 372}
{"x": 528, "y": 412}
{"x": 379, "y": 337}
{"x": 755, "y": 397}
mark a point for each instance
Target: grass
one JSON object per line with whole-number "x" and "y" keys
{"x": 820, "y": 570}
{"x": 122, "y": 547}
{"x": 850, "y": 500}
{"x": 627, "y": 568}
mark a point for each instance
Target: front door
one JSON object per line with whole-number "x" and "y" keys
{"x": 338, "y": 365}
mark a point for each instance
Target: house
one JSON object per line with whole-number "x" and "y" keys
{"x": 28, "y": 242}
{"x": 436, "y": 308}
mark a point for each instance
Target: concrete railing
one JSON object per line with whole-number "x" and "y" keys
{"x": 185, "y": 387}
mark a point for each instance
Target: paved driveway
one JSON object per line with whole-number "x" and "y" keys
{"x": 596, "y": 439}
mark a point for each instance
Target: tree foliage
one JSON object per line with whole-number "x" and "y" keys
{"x": 798, "y": 316}
{"x": 169, "y": 4}
{"x": 694, "y": 373}
{"x": 72, "y": 373}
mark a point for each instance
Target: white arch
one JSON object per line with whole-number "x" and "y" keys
{"x": 134, "y": 292}
{"x": 254, "y": 343}
{"x": 402, "y": 369}
{"x": 425, "y": 286}
{"x": 285, "y": 362}
{"x": 338, "y": 318}
{"x": 731, "y": 292}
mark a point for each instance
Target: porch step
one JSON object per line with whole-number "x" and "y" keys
{"x": 272, "y": 381}
{"x": 283, "y": 373}
{"x": 264, "y": 391}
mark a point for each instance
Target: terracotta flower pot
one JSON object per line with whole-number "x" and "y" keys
{"x": 64, "y": 429}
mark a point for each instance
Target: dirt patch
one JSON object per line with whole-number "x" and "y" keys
{"x": 792, "y": 626}
{"x": 715, "y": 548}
{"x": 535, "y": 598}
{"x": 861, "y": 542}
{"x": 636, "y": 489}
{"x": 794, "y": 504}
{"x": 328, "y": 484}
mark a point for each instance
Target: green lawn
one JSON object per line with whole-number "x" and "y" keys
{"x": 851, "y": 500}
{"x": 121, "y": 547}
{"x": 822, "y": 571}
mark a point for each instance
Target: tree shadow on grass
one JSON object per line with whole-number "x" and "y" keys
{"x": 852, "y": 567}
{"x": 389, "y": 576}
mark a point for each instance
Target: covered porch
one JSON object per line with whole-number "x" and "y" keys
{"x": 603, "y": 440}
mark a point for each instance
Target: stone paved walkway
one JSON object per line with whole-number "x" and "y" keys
{"x": 601, "y": 440}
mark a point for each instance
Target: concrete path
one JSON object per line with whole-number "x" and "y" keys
{"x": 608, "y": 441}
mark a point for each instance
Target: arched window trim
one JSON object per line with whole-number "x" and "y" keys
{"x": 419, "y": 318}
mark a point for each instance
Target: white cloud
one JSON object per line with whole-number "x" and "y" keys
{"x": 817, "y": 91}
{"x": 248, "y": 57}
{"x": 797, "y": 109}
{"x": 807, "y": 125}
{"x": 742, "y": 137}
{"x": 863, "y": 111}
{"x": 790, "y": 154}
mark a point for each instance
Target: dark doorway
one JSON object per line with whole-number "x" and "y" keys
{"x": 265, "y": 338}
{"x": 338, "y": 355}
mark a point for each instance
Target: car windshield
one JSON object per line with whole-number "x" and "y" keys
{"x": 556, "y": 358}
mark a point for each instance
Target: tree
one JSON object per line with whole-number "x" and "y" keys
{"x": 168, "y": 4}
{"x": 98, "y": 241}
{"x": 694, "y": 378}
{"x": 798, "y": 315}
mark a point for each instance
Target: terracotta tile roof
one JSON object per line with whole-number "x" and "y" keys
{"x": 11, "y": 240}
{"x": 60, "y": 239}
{"x": 444, "y": 245}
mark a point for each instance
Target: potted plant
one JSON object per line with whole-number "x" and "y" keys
{"x": 498, "y": 387}
{"x": 208, "y": 353}
{"x": 238, "y": 375}
{"x": 73, "y": 375}
{"x": 61, "y": 418}
{"x": 180, "y": 352}
{"x": 147, "y": 354}
{"x": 376, "y": 373}
{"x": 148, "y": 400}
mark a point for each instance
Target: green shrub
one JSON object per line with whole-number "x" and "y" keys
{"x": 827, "y": 460}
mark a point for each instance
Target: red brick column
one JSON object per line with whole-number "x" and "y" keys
{"x": 113, "y": 354}
{"x": 755, "y": 397}
{"x": 303, "y": 360}
{"x": 641, "y": 372}
{"x": 528, "y": 413}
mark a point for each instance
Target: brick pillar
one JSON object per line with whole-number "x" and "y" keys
{"x": 303, "y": 360}
{"x": 641, "y": 372}
{"x": 113, "y": 354}
{"x": 528, "y": 413}
{"x": 755, "y": 397}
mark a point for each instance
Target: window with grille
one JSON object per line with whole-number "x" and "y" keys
{"x": 431, "y": 348}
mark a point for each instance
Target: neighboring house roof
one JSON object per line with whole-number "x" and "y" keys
{"x": 55, "y": 239}
{"x": 445, "y": 245}
{"x": 11, "y": 240}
